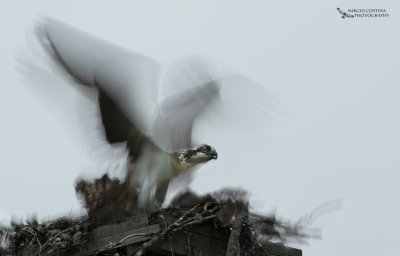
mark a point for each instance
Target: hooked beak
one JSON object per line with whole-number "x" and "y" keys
{"x": 214, "y": 155}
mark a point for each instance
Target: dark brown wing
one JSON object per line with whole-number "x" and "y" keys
{"x": 118, "y": 128}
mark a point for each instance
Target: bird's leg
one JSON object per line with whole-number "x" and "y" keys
{"x": 161, "y": 191}
{"x": 145, "y": 194}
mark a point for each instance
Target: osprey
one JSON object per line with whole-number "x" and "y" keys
{"x": 158, "y": 134}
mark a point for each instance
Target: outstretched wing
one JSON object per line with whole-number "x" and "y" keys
{"x": 126, "y": 79}
{"x": 173, "y": 128}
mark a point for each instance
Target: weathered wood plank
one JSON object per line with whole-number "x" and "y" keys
{"x": 218, "y": 233}
{"x": 135, "y": 222}
{"x": 95, "y": 245}
{"x": 278, "y": 249}
{"x": 186, "y": 243}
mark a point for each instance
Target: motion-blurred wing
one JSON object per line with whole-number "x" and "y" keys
{"x": 129, "y": 80}
{"x": 173, "y": 127}
{"x": 118, "y": 128}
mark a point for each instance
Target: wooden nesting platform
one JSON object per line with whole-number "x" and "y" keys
{"x": 201, "y": 237}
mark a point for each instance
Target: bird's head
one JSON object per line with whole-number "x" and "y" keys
{"x": 199, "y": 154}
{"x": 205, "y": 153}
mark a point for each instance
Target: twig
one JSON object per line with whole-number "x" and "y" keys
{"x": 112, "y": 245}
{"x": 233, "y": 248}
{"x": 205, "y": 208}
{"x": 48, "y": 241}
{"x": 178, "y": 225}
{"x": 169, "y": 238}
{"x": 194, "y": 222}
{"x": 37, "y": 239}
{"x": 132, "y": 235}
{"x": 170, "y": 246}
{"x": 188, "y": 243}
{"x": 187, "y": 213}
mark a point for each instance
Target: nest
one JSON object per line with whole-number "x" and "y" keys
{"x": 50, "y": 236}
{"x": 226, "y": 211}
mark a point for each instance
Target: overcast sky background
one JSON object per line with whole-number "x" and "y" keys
{"x": 336, "y": 81}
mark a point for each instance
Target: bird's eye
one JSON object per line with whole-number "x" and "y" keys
{"x": 205, "y": 148}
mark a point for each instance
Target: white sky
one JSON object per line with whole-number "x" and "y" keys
{"x": 337, "y": 136}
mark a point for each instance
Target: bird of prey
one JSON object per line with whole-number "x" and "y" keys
{"x": 344, "y": 14}
{"x": 158, "y": 134}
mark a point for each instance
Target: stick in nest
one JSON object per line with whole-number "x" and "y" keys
{"x": 37, "y": 239}
{"x": 48, "y": 241}
{"x": 181, "y": 223}
{"x": 112, "y": 245}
